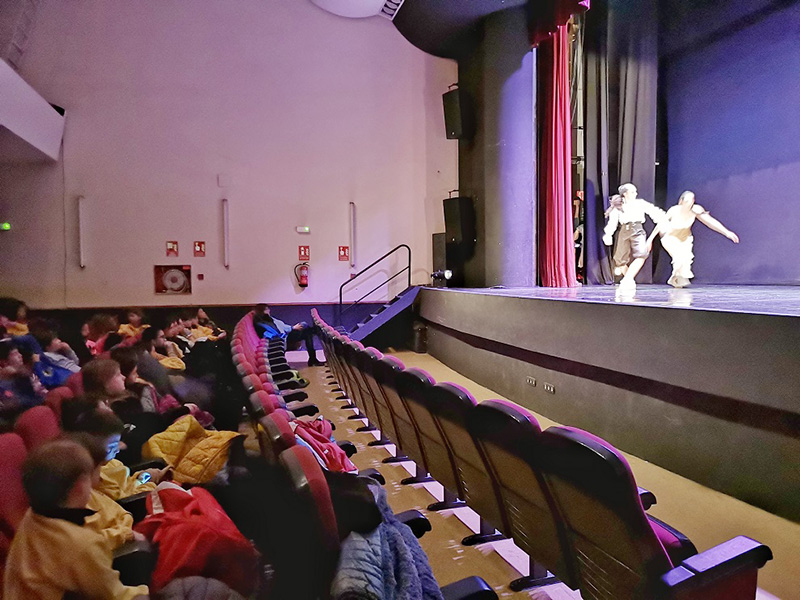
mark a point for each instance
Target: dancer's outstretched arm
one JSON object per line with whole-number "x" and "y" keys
{"x": 710, "y": 222}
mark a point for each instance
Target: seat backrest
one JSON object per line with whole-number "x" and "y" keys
{"x": 385, "y": 419}
{"x": 75, "y": 383}
{"x": 452, "y": 405}
{"x": 13, "y": 500}
{"x": 507, "y": 435}
{"x": 364, "y": 364}
{"x": 367, "y": 396}
{"x": 36, "y": 426}
{"x": 267, "y": 402}
{"x": 414, "y": 387}
{"x": 618, "y": 554}
{"x": 345, "y": 377}
{"x": 354, "y": 387}
{"x": 55, "y": 397}
{"x": 277, "y": 435}
{"x": 314, "y": 500}
{"x": 386, "y": 372}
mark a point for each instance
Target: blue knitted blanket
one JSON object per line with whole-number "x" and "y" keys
{"x": 386, "y": 564}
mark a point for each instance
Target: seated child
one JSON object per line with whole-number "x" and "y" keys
{"x": 135, "y": 326}
{"x": 100, "y": 326}
{"x": 205, "y": 322}
{"x": 110, "y": 520}
{"x": 57, "y": 352}
{"x": 20, "y": 389}
{"x": 53, "y": 553}
{"x": 116, "y": 480}
{"x": 14, "y": 316}
{"x": 103, "y": 381}
{"x": 145, "y": 398}
{"x": 167, "y": 353}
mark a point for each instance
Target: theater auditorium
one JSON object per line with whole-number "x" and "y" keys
{"x": 399, "y": 299}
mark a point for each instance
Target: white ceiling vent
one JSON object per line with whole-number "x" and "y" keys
{"x": 359, "y": 9}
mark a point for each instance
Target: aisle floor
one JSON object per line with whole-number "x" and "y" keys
{"x": 704, "y": 515}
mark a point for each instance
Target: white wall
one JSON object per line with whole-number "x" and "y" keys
{"x": 302, "y": 110}
{"x": 26, "y": 114}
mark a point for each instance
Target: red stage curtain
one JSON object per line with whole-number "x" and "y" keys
{"x": 556, "y": 246}
{"x": 545, "y": 18}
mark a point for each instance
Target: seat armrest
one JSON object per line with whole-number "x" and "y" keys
{"x": 294, "y": 395}
{"x": 136, "y": 505}
{"x": 373, "y": 474}
{"x": 135, "y": 562}
{"x": 156, "y": 463}
{"x": 303, "y": 410}
{"x": 470, "y": 588}
{"x": 418, "y": 522}
{"x": 348, "y": 447}
{"x": 285, "y": 375}
{"x": 647, "y": 498}
{"x": 728, "y": 570}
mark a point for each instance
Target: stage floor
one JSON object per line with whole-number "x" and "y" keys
{"x": 753, "y": 299}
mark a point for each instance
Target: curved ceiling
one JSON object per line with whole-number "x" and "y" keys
{"x": 355, "y": 9}
{"x": 446, "y": 28}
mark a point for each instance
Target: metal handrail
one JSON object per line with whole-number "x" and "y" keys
{"x": 367, "y": 268}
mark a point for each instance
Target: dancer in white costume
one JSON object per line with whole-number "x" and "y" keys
{"x": 677, "y": 239}
{"x": 628, "y": 212}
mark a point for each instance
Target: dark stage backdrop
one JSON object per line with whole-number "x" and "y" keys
{"x": 732, "y": 89}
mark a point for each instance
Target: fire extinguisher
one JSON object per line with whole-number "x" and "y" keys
{"x": 301, "y": 274}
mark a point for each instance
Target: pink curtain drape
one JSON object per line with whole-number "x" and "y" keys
{"x": 556, "y": 246}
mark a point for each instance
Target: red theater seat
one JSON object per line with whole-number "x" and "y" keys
{"x": 36, "y": 426}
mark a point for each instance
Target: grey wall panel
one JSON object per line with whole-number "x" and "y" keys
{"x": 751, "y": 358}
{"x": 752, "y": 464}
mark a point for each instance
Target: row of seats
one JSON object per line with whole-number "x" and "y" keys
{"x": 565, "y": 496}
{"x": 255, "y": 358}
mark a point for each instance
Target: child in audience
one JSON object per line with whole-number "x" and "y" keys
{"x": 110, "y": 520}
{"x": 135, "y": 326}
{"x": 179, "y": 333}
{"x": 146, "y": 396}
{"x": 20, "y": 389}
{"x": 53, "y": 554}
{"x": 204, "y": 321}
{"x": 14, "y": 316}
{"x": 100, "y": 325}
{"x": 56, "y": 351}
{"x": 116, "y": 480}
{"x": 155, "y": 343}
{"x": 103, "y": 381}
{"x": 201, "y": 332}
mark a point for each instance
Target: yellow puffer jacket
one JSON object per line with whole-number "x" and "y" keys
{"x": 110, "y": 520}
{"x": 196, "y": 454}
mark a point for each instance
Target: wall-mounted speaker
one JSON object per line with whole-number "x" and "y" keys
{"x": 458, "y": 120}
{"x": 459, "y": 221}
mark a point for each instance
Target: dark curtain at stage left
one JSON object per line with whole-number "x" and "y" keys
{"x": 556, "y": 248}
{"x": 621, "y": 54}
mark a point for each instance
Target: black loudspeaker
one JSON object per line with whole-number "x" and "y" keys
{"x": 439, "y": 258}
{"x": 459, "y": 221}
{"x": 458, "y": 120}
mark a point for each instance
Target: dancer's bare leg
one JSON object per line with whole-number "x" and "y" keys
{"x": 633, "y": 270}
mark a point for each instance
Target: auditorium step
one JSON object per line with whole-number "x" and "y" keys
{"x": 390, "y": 325}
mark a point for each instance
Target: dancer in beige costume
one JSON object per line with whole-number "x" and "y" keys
{"x": 677, "y": 239}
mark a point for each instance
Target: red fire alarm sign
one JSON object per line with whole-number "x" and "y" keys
{"x": 344, "y": 253}
{"x": 304, "y": 252}
{"x": 200, "y": 249}
{"x": 172, "y": 248}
